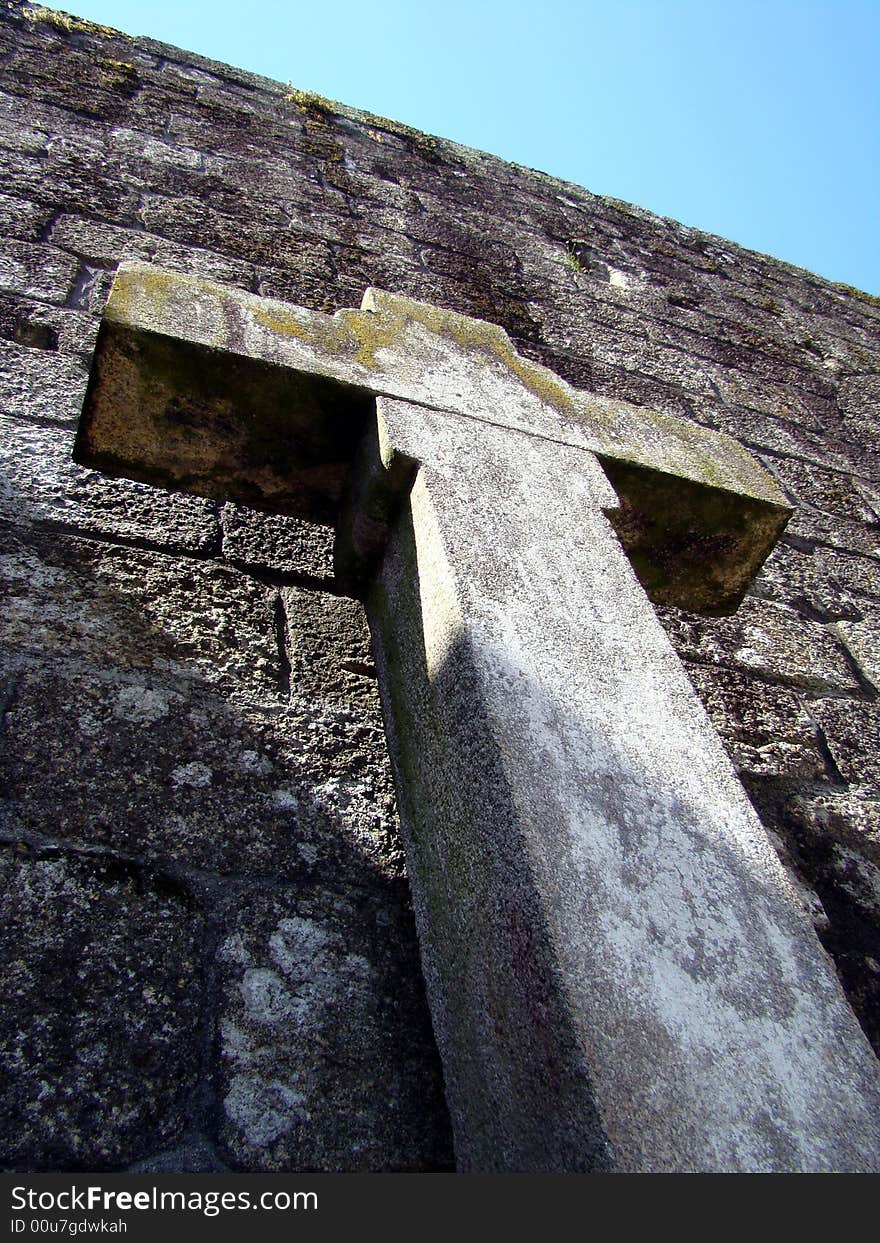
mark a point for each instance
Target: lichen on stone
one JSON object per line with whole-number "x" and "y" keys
{"x": 66, "y": 23}
{"x": 117, "y": 75}
{"x": 860, "y": 294}
{"x": 314, "y": 106}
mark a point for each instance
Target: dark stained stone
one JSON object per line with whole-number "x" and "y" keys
{"x": 101, "y": 993}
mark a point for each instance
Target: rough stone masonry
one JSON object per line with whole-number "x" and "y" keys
{"x": 620, "y": 976}
{"x": 208, "y": 957}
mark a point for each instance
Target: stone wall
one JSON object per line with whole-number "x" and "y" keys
{"x": 209, "y": 957}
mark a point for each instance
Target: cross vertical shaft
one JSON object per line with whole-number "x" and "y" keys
{"x": 619, "y": 973}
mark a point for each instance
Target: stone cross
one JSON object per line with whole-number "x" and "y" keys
{"x": 619, "y": 973}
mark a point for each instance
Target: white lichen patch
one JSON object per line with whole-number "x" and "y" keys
{"x": 235, "y": 1042}
{"x": 267, "y": 1000}
{"x": 301, "y": 947}
{"x": 284, "y": 800}
{"x": 234, "y": 950}
{"x": 337, "y": 794}
{"x": 252, "y": 762}
{"x": 195, "y": 774}
{"x": 141, "y": 705}
{"x": 286, "y": 1009}
{"x": 263, "y": 1110}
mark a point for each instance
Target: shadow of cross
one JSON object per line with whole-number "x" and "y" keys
{"x": 620, "y": 976}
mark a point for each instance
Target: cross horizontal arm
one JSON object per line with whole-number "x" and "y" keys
{"x": 219, "y": 392}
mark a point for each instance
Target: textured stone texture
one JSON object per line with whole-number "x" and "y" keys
{"x": 768, "y": 730}
{"x": 136, "y": 610}
{"x": 288, "y": 546}
{"x": 165, "y": 771}
{"x": 36, "y": 271}
{"x": 769, "y": 640}
{"x": 323, "y": 1043}
{"x": 100, "y": 1025}
{"x": 116, "y": 149}
{"x": 853, "y": 735}
{"x": 40, "y": 484}
{"x": 832, "y": 837}
{"x": 861, "y": 638}
{"x": 39, "y": 385}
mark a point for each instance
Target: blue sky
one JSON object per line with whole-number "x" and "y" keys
{"x": 756, "y": 121}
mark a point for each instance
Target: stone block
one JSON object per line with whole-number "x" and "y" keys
{"x": 22, "y": 139}
{"x": 274, "y": 542}
{"x": 329, "y": 646}
{"x": 799, "y": 406}
{"x": 190, "y": 222}
{"x": 859, "y": 403}
{"x": 40, "y": 482}
{"x": 795, "y": 577}
{"x": 47, "y": 327}
{"x": 817, "y": 527}
{"x": 75, "y": 173}
{"x": 832, "y": 492}
{"x": 325, "y": 1056}
{"x": 122, "y": 607}
{"x": 829, "y": 506}
{"x": 767, "y": 729}
{"x": 186, "y": 777}
{"x": 100, "y": 993}
{"x": 847, "y": 820}
{"x": 94, "y": 83}
{"x": 19, "y": 218}
{"x": 862, "y": 641}
{"x": 37, "y": 384}
{"x": 109, "y": 244}
{"x": 767, "y": 640}
{"x": 36, "y": 271}
{"x": 784, "y": 429}
{"x": 855, "y": 574}
{"x": 852, "y": 730}
{"x": 138, "y": 146}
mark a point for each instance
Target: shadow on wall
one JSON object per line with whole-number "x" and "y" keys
{"x": 208, "y": 950}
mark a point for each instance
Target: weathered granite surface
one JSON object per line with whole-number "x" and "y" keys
{"x": 118, "y": 149}
{"x": 620, "y": 975}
